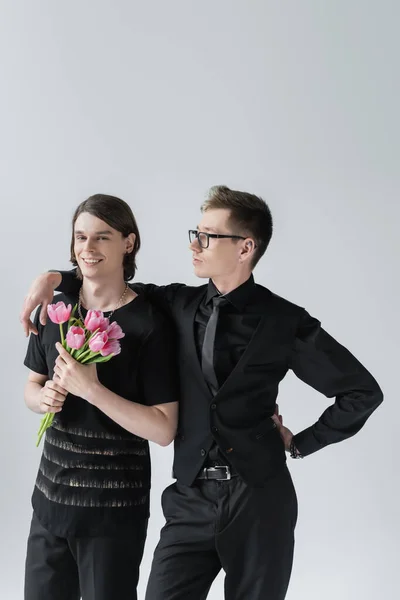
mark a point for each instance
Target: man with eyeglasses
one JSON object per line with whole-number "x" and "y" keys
{"x": 233, "y": 505}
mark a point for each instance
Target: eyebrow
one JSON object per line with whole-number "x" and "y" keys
{"x": 106, "y": 232}
{"x": 206, "y": 229}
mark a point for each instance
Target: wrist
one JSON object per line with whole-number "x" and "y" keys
{"x": 93, "y": 394}
{"x": 36, "y": 405}
{"x": 293, "y": 450}
{"x": 54, "y": 278}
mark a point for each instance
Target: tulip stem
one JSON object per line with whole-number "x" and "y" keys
{"x": 88, "y": 357}
{"x": 45, "y": 424}
{"x": 62, "y": 335}
{"x": 84, "y": 355}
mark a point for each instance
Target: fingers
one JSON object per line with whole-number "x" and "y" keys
{"x": 59, "y": 380}
{"x": 64, "y": 355}
{"x": 60, "y": 374}
{"x": 51, "y": 401}
{"x": 32, "y": 328}
{"x": 43, "y": 313}
{"x": 277, "y": 421}
{"x": 48, "y": 408}
{"x": 29, "y": 327}
{"x": 56, "y": 387}
{"x": 54, "y": 399}
{"x": 25, "y": 320}
{"x": 277, "y": 414}
{"x": 60, "y": 366}
{"x": 284, "y": 432}
{"x": 40, "y": 292}
{"x": 53, "y": 390}
{"x": 57, "y": 374}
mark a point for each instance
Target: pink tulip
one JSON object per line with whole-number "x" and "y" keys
{"x": 96, "y": 320}
{"x": 59, "y": 313}
{"x": 111, "y": 347}
{"x": 115, "y": 332}
{"x": 75, "y": 337}
{"x": 98, "y": 341}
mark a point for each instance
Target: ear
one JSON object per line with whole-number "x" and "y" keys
{"x": 247, "y": 249}
{"x": 130, "y": 243}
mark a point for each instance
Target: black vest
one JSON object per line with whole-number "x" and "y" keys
{"x": 238, "y": 418}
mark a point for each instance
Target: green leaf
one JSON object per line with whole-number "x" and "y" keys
{"x": 99, "y": 359}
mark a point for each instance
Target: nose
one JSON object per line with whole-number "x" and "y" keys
{"x": 89, "y": 245}
{"x": 195, "y": 246}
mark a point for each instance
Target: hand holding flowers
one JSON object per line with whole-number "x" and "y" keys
{"x": 76, "y": 378}
{"x": 52, "y": 397}
{"x": 92, "y": 341}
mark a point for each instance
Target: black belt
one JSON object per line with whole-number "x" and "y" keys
{"x": 219, "y": 473}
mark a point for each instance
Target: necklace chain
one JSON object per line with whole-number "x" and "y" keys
{"x": 111, "y": 313}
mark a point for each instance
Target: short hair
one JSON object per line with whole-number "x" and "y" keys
{"x": 249, "y": 215}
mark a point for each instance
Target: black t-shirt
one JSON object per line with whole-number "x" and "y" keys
{"x": 94, "y": 476}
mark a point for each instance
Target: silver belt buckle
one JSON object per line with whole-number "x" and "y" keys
{"x": 227, "y": 471}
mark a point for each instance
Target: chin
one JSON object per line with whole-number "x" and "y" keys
{"x": 201, "y": 273}
{"x": 90, "y": 273}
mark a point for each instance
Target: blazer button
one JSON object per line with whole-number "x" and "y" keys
{"x": 182, "y": 438}
{"x": 214, "y": 429}
{"x": 213, "y": 406}
{"x": 202, "y": 452}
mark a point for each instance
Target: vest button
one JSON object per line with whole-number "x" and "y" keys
{"x": 213, "y": 406}
{"x": 202, "y": 452}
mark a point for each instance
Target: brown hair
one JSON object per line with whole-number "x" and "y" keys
{"x": 250, "y": 215}
{"x": 118, "y": 215}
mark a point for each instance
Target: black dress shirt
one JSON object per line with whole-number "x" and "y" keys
{"x": 235, "y": 329}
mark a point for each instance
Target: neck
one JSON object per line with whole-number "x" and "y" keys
{"x": 229, "y": 283}
{"x": 98, "y": 295}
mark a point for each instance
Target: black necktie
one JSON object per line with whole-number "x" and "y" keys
{"x": 207, "y": 353}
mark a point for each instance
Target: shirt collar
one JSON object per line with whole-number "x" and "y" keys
{"x": 238, "y": 297}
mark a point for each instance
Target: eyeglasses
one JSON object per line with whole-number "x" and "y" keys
{"x": 204, "y": 238}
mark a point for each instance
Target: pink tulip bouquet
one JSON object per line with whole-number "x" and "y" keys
{"x": 93, "y": 341}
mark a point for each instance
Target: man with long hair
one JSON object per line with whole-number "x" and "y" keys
{"x": 91, "y": 498}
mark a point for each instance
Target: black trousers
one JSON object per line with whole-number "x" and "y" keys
{"x": 248, "y": 532}
{"x": 94, "y": 568}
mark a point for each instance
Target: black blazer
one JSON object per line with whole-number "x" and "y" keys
{"x": 238, "y": 417}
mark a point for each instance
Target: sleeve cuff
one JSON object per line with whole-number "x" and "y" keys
{"x": 35, "y": 368}
{"x": 306, "y": 442}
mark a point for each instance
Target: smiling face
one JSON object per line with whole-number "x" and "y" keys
{"x": 99, "y": 249}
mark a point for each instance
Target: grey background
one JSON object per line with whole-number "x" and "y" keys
{"x": 155, "y": 101}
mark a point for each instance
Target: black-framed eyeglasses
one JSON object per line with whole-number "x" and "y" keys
{"x": 204, "y": 238}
